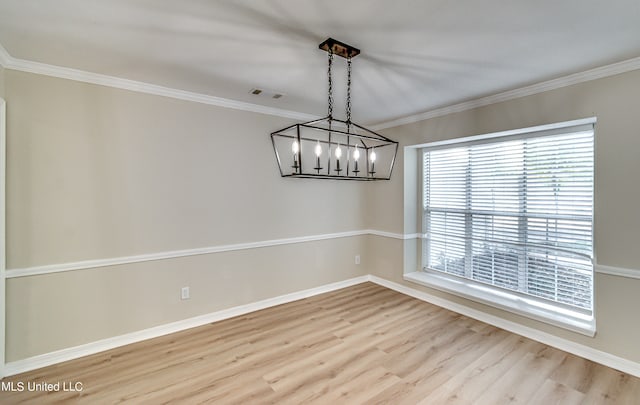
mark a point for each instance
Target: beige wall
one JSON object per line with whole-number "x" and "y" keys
{"x": 96, "y": 172}
{"x": 614, "y": 102}
{"x": 55, "y": 311}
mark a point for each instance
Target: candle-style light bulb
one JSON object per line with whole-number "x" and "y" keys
{"x": 318, "y": 151}
{"x": 356, "y": 156}
{"x": 338, "y": 153}
{"x": 372, "y": 157}
{"x": 295, "y": 148}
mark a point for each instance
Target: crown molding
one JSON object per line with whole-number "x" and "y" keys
{"x": 9, "y": 62}
{"x": 581, "y": 77}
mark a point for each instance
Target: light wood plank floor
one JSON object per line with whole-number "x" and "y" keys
{"x": 363, "y": 344}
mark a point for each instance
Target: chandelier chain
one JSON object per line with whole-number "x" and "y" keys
{"x": 330, "y": 78}
{"x": 348, "y": 91}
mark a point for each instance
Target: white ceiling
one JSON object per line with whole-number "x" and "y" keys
{"x": 416, "y": 55}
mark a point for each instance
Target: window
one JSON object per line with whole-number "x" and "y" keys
{"x": 513, "y": 216}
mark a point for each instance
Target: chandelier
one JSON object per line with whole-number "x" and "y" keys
{"x": 330, "y": 148}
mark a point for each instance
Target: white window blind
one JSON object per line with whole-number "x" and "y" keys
{"x": 514, "y": 212}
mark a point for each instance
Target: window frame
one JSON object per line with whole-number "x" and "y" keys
{"x": 558, "y": 314}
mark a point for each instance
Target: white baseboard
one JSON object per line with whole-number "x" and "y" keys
{"x": 71, "y": 353}
{"x": 586, "y": 352}
{"x": 47, "y": 359}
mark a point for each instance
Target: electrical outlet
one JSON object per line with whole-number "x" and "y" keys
{"x": 357, "y": 259}
{"x": 184, "y": 293}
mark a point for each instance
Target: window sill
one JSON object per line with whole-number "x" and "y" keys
{"x": 529, "y": 307}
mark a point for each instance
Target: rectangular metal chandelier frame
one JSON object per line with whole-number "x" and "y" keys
{"x": 371, "y": 141}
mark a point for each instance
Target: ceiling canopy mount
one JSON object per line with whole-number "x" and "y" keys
{"x": 339, "y": 48}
